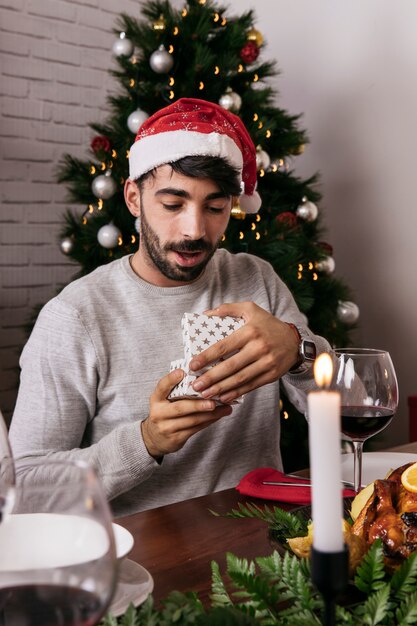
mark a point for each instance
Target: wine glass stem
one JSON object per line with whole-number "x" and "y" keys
{"x": 357, "y": 465}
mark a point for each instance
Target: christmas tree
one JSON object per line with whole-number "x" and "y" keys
{"x": 201, "y": 51}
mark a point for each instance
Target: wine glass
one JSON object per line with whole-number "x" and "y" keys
{"x": 7, "y": 473}
{"x": 368, "y": 388}
{"x": 58, "y": 560}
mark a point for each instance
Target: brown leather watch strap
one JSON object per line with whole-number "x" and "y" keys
{"x": 297, "y": 334}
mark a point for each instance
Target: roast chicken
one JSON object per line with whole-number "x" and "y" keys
{"x": 391, "y": 515}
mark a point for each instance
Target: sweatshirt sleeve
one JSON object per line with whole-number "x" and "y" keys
{"x": 57, "y": 402}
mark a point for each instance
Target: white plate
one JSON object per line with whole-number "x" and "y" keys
{"x": 134, "y": 585}
{"x": 124, "y": 540}
{"x": 375, "y": 465}
{"x": 49, "y": 540}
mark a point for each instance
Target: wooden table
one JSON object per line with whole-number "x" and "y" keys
{"x": 176, "y": 543}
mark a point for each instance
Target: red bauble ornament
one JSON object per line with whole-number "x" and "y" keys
{"x": 249, "y": 52}
{"x": 326, "y": 247}
{"x": 100, "y": 143}
{"x": 287, "y": 219}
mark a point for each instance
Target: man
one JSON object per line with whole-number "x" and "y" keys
{"x": 94, "y": 382}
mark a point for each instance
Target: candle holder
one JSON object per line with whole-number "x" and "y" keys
{"x": 330, "y": 575}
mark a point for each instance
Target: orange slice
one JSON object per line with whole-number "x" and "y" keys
{"x": 409, "y": 478}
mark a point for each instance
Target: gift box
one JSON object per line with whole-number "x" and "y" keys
{"x": 199, "y": 332}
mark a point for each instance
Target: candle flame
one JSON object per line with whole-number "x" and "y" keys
{"x": 323, "y": 370}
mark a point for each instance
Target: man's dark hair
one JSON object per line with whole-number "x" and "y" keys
{"x": 216, "y": 169}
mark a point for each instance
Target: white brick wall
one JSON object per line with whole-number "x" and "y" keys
{"x": 54, "y": 60}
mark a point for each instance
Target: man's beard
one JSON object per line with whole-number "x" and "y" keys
{"x": 157, "y": 253}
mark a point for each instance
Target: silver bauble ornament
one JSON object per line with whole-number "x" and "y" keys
{"x": 327, "y": 265}
{"x": 104, "y": 186}
{"x": 135, "y": 120}
{"x": 347, "y": 312}
{"x": 263, "y": 160}
{"x": 108, "y": 236}
{"x": 231, "y": 101}
{"x": 66, "y": 245}
{"x": 161, "y": 61}
{"x": 307, "y": 211}
{"x": 122, "y": 47}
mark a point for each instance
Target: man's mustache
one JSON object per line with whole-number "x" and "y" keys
{"x": 198, "y": 245}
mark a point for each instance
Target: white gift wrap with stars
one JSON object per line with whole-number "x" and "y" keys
{"x": 199, "y": 332}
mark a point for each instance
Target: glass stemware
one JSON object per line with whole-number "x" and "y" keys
{"x": 58, "y": 561}
{"x": 368, "y": 387}
{"x": 7, "y": 473}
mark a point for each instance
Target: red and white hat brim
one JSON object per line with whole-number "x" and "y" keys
{"x": 159, "y": 149}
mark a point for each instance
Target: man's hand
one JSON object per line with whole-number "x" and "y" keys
{"x": 267, "y": 349}
{"x": 170, "y": 424}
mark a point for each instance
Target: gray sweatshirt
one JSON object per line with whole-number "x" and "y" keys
{"x": 94, "y": 357}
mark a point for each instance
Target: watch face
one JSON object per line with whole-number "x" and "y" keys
{"x": 308, "y": 349}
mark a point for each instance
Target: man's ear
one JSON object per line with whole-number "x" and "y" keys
{"x": 132, "y": 197}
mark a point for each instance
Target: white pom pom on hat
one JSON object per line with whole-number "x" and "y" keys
{"x": 197, "y": 128}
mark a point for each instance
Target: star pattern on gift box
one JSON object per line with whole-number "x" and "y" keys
{"x": 199, "y": 332}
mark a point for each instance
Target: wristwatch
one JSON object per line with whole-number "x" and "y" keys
{"x": 306, "y": 348}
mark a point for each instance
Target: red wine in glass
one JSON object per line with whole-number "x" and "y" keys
{"x": 57, "y": 551}
{"x": 366, "y": 381}
{"x": 360, "y": 423}
{"x": 49, "y": 605}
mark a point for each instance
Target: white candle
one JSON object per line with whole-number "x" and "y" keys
{"x": 325, "y": 460}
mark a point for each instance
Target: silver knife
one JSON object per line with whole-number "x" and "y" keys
{"x": 277, "y": 484}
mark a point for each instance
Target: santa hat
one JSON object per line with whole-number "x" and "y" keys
{"x": 191, "y": 127}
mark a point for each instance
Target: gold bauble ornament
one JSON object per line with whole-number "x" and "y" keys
{"x": 159, "y": 24}
{"x": 237, "y": 212}
{"x": 255, "y": 35}
{"x": 298, "y": 149}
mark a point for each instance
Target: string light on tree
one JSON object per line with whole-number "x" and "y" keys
{"x": 231, "y": 101}
{"x": 347, "y": 312}
{"x": 307, "y": 210}
{"x": 279, "y": 165}
{"x": 135, "y": 120}
{"x": 159, "y": 24}
{"x": 104, "y": 186}
{"x": 161, "y": 61}
{"x": 122, "y": 47}
{"x": 108, "y": 236}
